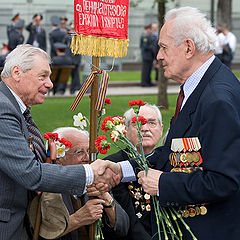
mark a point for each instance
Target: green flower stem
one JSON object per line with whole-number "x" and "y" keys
{"x": 140, "y": 144}
{"x": 99, "y": 121}
{"x": 183, "y": 222}
{"x": 169, "y": 224}
{"x": 157, "y": 215}
{"x": 175, "y": 220}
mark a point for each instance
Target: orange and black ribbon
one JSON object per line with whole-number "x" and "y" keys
{"x": 86, "y": 85}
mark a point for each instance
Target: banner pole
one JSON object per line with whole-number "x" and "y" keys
{"x": 93, "y": 125}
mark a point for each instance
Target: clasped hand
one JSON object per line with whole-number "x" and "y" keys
{"x": 107, "y": 174}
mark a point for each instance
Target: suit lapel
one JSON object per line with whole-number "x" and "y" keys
{"x": 183, "y": 122}
{"x": 5, "y": 90}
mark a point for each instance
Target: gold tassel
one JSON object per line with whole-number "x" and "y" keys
{"x": 99, "y": 46}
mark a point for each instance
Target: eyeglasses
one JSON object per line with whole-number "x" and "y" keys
{"x": 150, "y": 124}
{"x": 79, "y": 152}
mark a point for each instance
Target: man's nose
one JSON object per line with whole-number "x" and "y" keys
{"x": 159, "y": 55}
{"x": 49, "y": 83}
{"x": 145, "y": 127}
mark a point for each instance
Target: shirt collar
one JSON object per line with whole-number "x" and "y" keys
{"x": 22, "y": 106}
{"x": 192, "y": 82}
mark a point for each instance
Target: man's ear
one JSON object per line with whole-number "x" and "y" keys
{"x": 16, "y": 73}
{"x": 189, "y": 48}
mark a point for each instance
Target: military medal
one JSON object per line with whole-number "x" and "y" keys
{"x": 148, "y": 207}
{"x": 203, "y": 210}
{"x": 30, "y": 139}
{"x": 192, "y": 212}
{"x": 197, "y": 210}
{"x": 139, "y": 215}
{"x": 146, "y": 196}
{"x": 185, "y": 213}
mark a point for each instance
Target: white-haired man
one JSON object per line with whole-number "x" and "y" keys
{"x": 25, "y": 82}
{"x": 131, "y": 195}
{"x": 208, "y": 104}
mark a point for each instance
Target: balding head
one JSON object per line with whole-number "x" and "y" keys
{"x": 79, "y": 154}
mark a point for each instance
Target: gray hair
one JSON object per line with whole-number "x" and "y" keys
{"x": 61, "y": 131}
{"x": 23, "y": 56}
{"x": 191, "y": 23}
{"x": 129, "y": 114}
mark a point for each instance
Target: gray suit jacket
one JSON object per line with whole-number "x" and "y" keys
{"x": 20, "y": 171}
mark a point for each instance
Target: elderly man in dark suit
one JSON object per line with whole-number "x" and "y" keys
{"x": 37, "y": 34}
{"x": 207, "y": 109}
{"x": 25, "y": 82}
{"x": 131, "y": 196}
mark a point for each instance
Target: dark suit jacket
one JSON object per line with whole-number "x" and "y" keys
{"x": 20, "y": 171}
{"x": 139, "y": 228}
{"x": 40, "y": 37}
{"x": 212, "y": 113}
{"x": 148, "y": 47}
{"x": 15, "y": 38}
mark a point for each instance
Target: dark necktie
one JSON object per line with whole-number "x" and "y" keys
{"x": 179, "y": 103}
{"x": 38, "y": 144}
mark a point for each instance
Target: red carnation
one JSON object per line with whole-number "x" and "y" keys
{"x": 136, "y": 102}
{"x": 141, "y": 119}
{"x": 50, "y": 135}
{"x": 105, "y": 124}
{"x": 67, "y": 143}
{"x": 102, "y": 144}
{"x": 108, "y": 101}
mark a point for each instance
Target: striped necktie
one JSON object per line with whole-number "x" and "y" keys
{"x": 38, "y": 144}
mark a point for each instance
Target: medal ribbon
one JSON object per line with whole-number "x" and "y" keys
{"x": 86, "y": 85}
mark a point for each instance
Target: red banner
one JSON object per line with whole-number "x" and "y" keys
{"x": 101, "y": 18}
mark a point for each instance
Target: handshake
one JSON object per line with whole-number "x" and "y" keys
{"x": 107, "y": 174}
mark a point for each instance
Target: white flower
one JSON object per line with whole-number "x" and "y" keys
{"x": 103, "y": 111}
{"x": 61, "y": 149}
{"x": 79, "y": 121}
{"x": 121, "y": 128}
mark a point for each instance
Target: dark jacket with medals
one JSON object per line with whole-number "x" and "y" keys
{"x": 131, "y": 198}
{"x": 212, "y": 114}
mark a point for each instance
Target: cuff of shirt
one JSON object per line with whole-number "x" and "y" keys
{"x": 89, "y": 174}
{"x": 128, "y": 172}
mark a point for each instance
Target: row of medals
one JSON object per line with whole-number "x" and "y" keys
{"x": 193, "y": 210}
{"x": 185, "y": 159}
{"x": 188, "y": 162}
{"x": 141, "y": 199}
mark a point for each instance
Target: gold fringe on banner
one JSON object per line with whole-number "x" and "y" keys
{"x": 99, "y": 46}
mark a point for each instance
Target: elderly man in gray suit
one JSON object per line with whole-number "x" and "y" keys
{"x": 25, "y": 81}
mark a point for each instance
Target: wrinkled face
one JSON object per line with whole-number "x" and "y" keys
{"x": 152, "y": 131}
{"x": 33, "y": 85}
{"x": 172, "y": 57}
{"x": 79, "y": 154}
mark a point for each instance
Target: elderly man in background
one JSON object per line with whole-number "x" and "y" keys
{"x": 25, "y": 82}
{"x": 85, "y": 211}
{"x": 131, "y": 196}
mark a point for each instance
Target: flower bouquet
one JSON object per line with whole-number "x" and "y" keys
{"x": 166, "y": 218}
